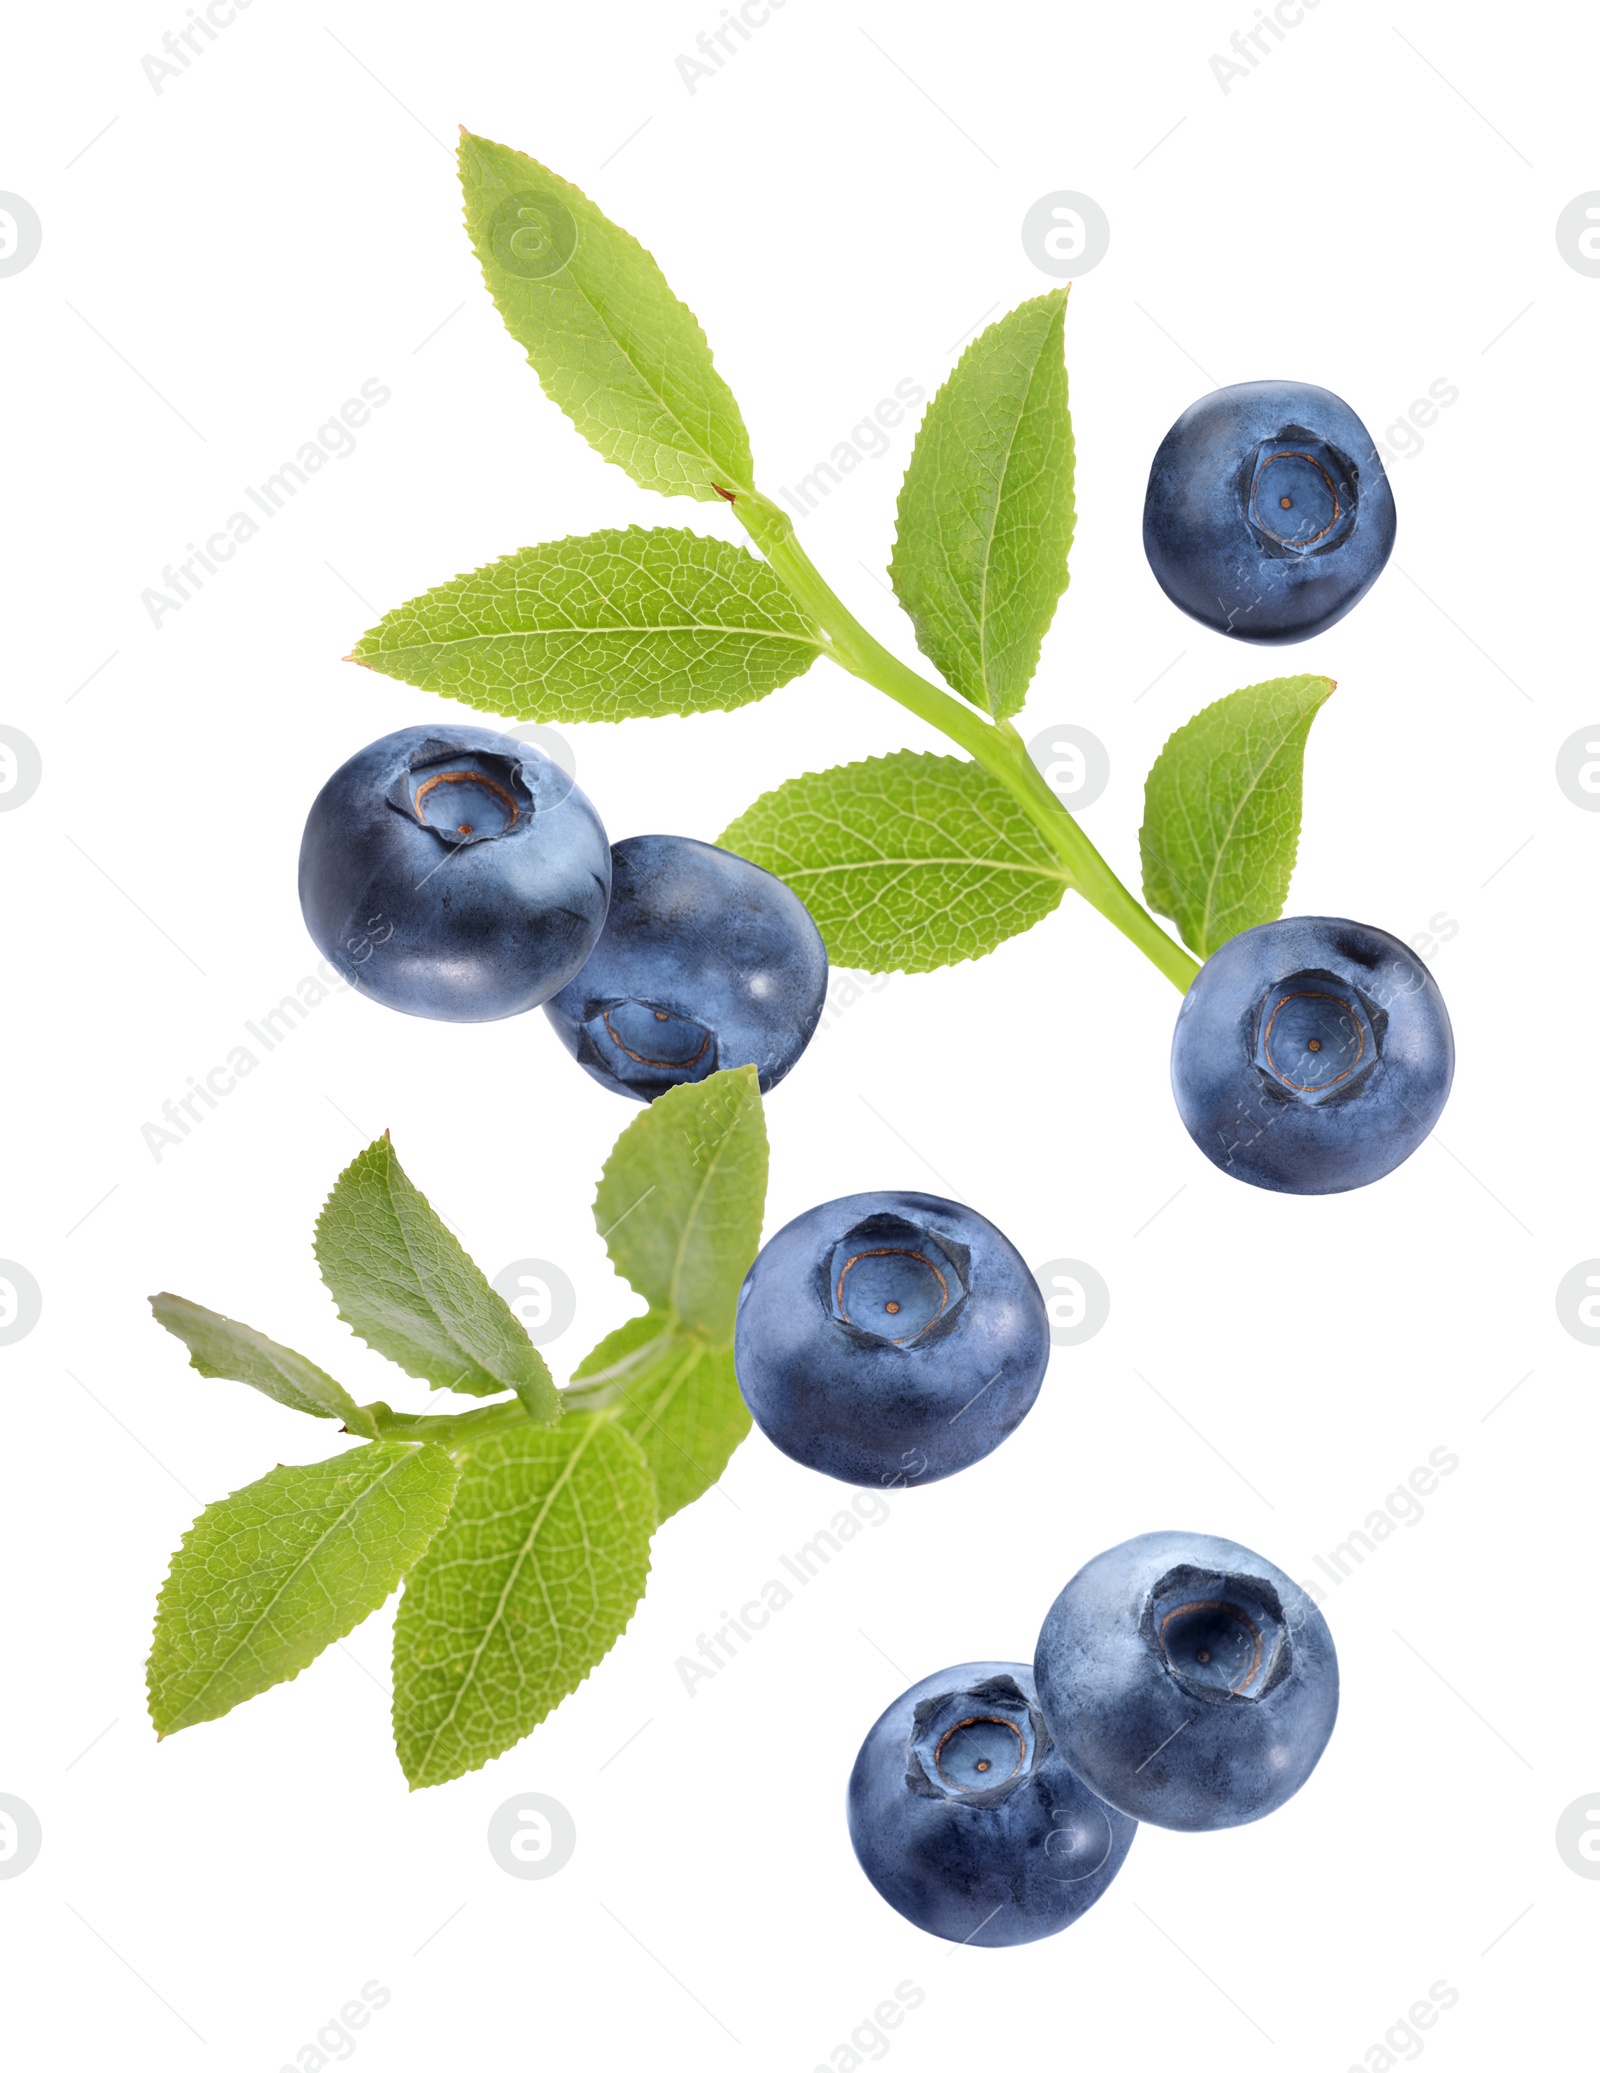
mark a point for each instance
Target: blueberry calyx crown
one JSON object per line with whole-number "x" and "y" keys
{"x": 462, "y": 796}
{"x": 1224, "y": 1638}
{"x": 1299, "y": 494}
{"x": 647, "y": 1046}
{"x": 1316, "y": 1038}
{"x": 891, "y": 1280}
{"x": 975, "y": 1745}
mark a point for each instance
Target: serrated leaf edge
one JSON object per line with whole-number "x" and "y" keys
{"x": 416, "y": 1783}
{"x": 1057, "y": 872}
{"x": 413, "y": 1448}
{"x": 392, "y": 1164}
{"x": 1204, "y": 948}
{"x": 469, "y": 137}
{"x": 365, "y": 650}
{"x": 1057, "y": 295}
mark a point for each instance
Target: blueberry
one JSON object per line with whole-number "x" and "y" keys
{"x": 1188, "y": 1681}
{"x": 1311, "y": 1055}
{"x": 454, "y": 872}
{"x": 705, "y": 962}
{"x": 967, "y": 1821}
{"x": 1268, "y": 514}
{"x": 890, "y": 1338}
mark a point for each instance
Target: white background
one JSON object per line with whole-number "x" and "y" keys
{"x": 1370, "y": 209}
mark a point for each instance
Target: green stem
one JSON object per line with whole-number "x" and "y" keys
{"x": 598, "y": 1391}
{"x": 994, "y": 744}
{"x": 445, "y": 1426}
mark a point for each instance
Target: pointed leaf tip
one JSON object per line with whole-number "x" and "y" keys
{"x": 906, "y": 862}
{"x": 615, "y": 625}
{"x": 1222, "y": 810}
{"x": 403, "y": 1283}
{"x": 610, "y": 342}
{"x": 534, "y": 1575}
{"x": 985, "y": 516}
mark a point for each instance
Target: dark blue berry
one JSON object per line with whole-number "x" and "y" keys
{"x": 1188, "y": 1681}
{"x": 1311, "y": 1055}
{"x": 454, "y": 872}
{"x": 1268, "y": 513}
{"x": 706, "y": 962}
{"x": 965, "y": 1818}
{"x": 890, "y": 1338}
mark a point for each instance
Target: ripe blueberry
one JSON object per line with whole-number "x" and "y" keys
{"x": 889, "y": 1338}
{"x": 1268, "y": 514}
{"x": 966, "y": 1819}
{"x": 705, "y": 962}
{"x": 454, "y": 872}
{"x": 1311, "y": 1055}
{"x": 1188, "y": 1681}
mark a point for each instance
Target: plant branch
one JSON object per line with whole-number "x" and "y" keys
{"x": 445, "y": 1426}
{"x": 995, "y": 745}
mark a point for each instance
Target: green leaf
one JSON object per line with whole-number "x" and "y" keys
{"x": 907, "y": 862}
{"x": 533, "y": 1577}
{"x": 236, "y": 1353}
{"x": 403, "y": 1284}
{"x": 985, "y": 512}
{"x": 680, "y": 1199}
{"x": 675, "y": 1394}
{"x": 612, "y": 626}
{"x": 679, "y": 1206}
{"x": 546, "y": 1550}
{"x": 608, "y": 339}
{"x": 1222, "y": 810}
{"x": 266, "y": 1578}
